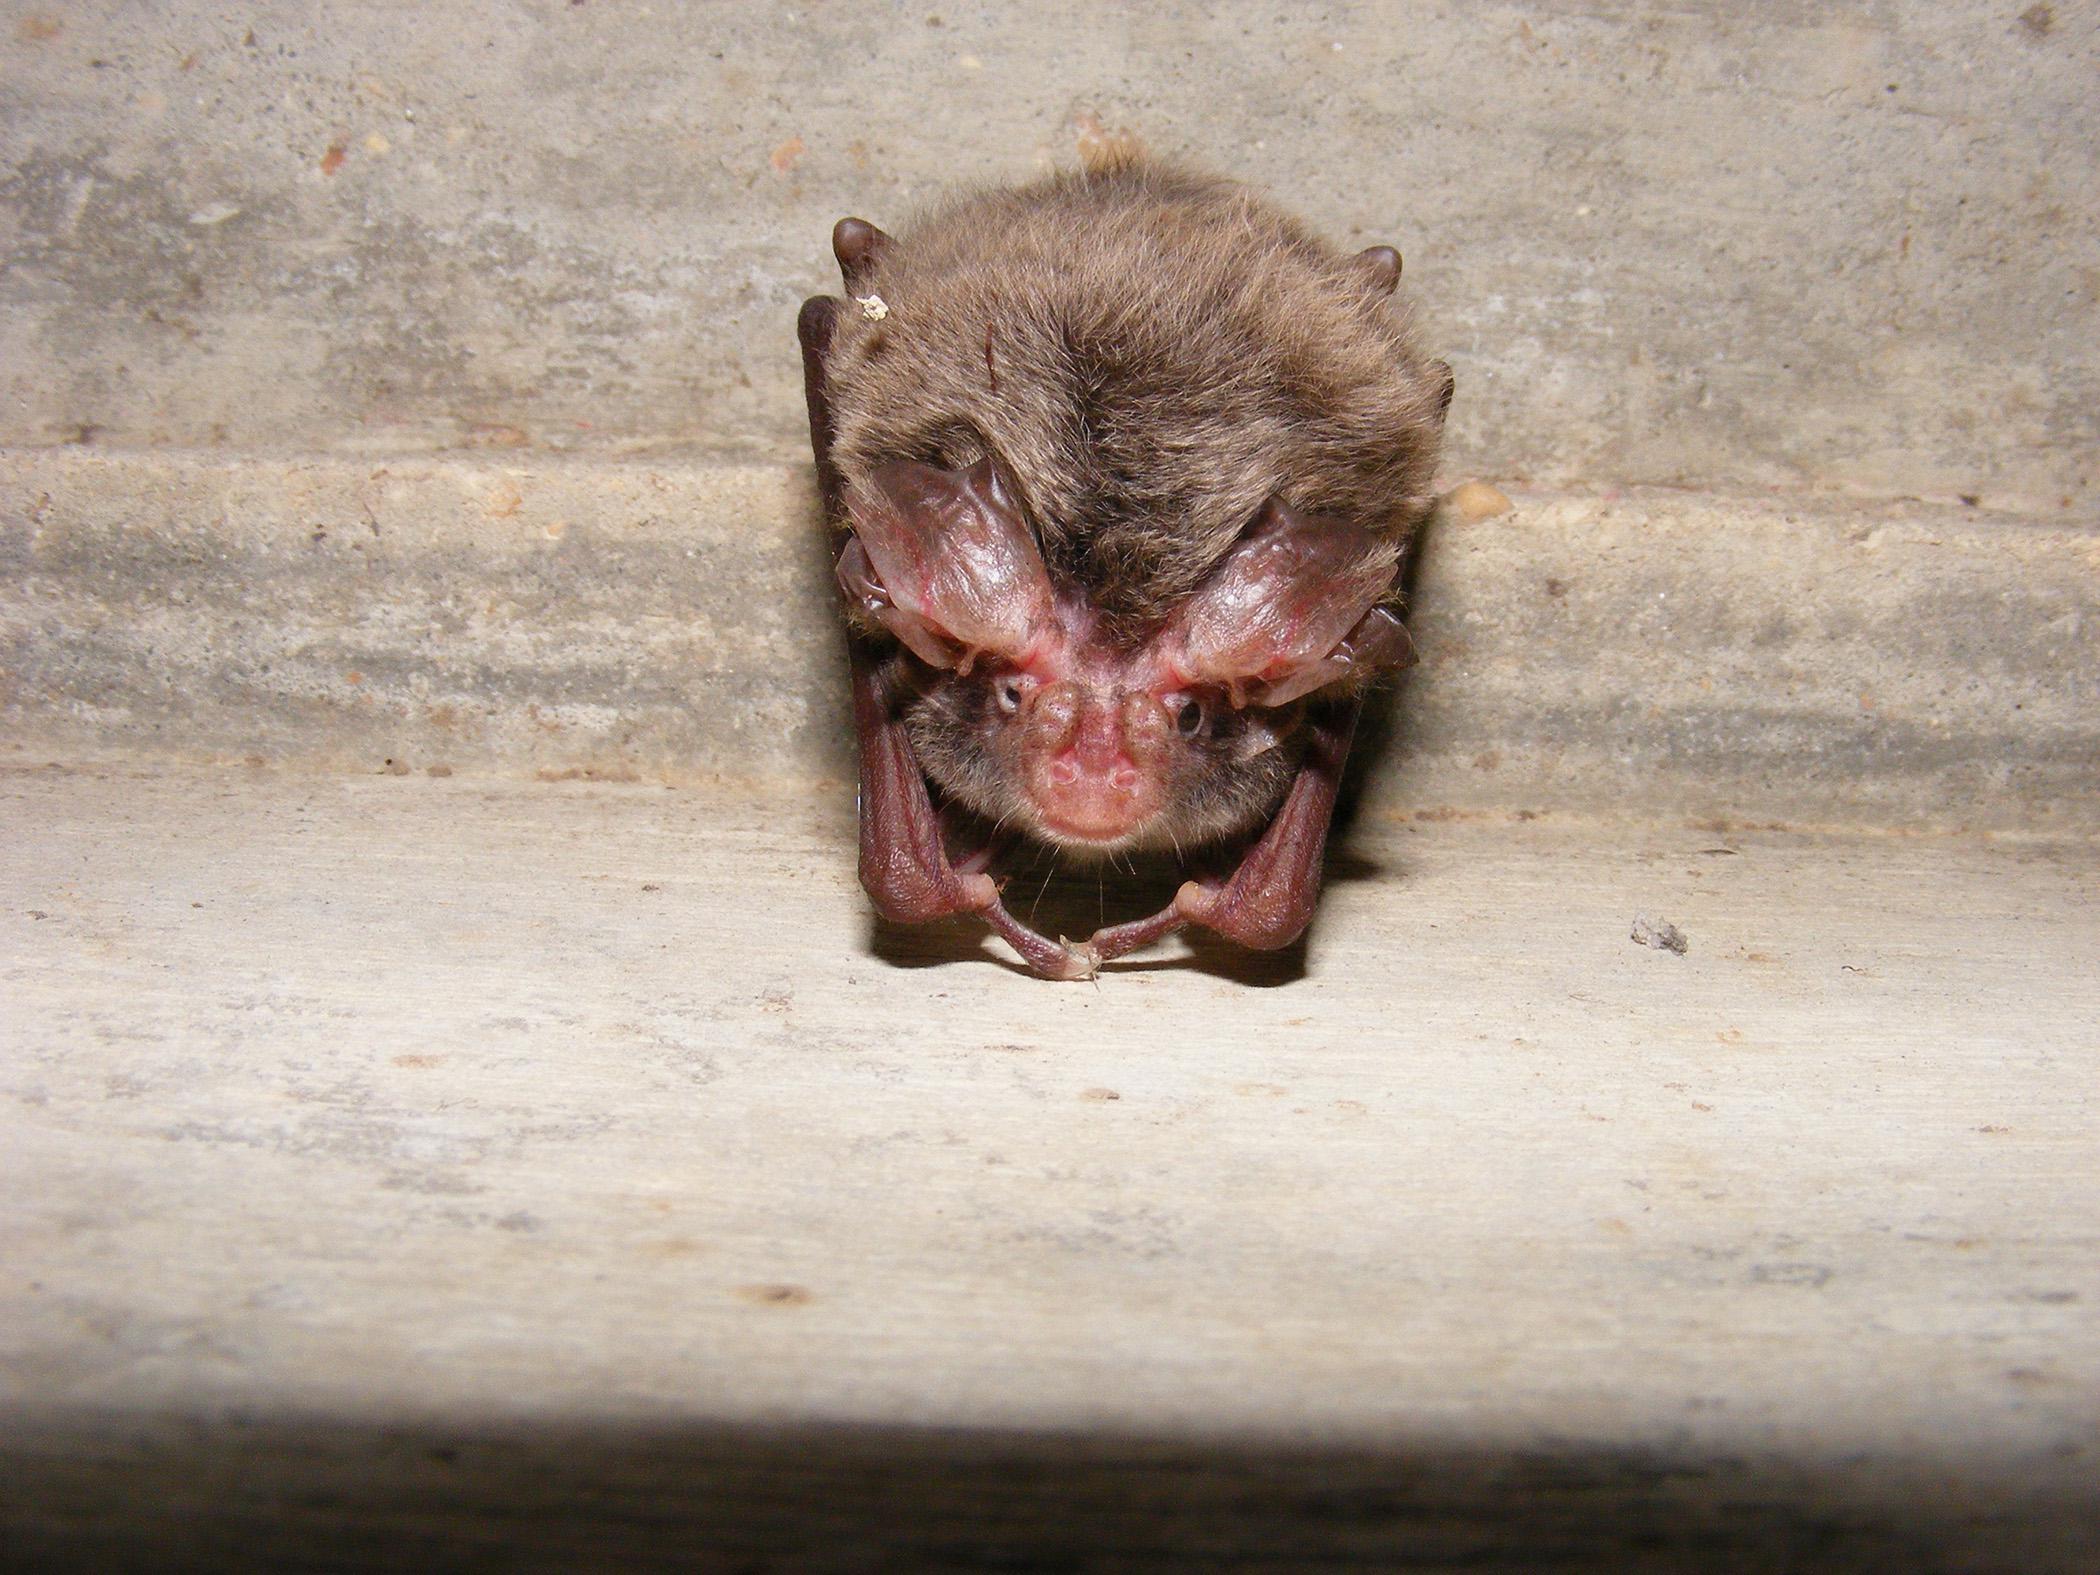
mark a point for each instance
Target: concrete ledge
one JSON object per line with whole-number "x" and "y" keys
{"x": 1792, "y": 661}
{"x": 396, "y": 1164}
{"x": 600, "y": 620}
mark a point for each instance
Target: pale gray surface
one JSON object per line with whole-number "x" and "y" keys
{"x": 367, "y": 1110}
{"x": 1775, "y": 245}
{"x": 1731, "y": 659}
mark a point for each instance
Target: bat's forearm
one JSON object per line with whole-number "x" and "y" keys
{"x": 1269, "y": 899}
{"x": 814, "y": 328}
{"x": 903, "y": 864}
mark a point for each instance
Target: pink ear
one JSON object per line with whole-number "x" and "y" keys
{"x": 1273, "y": 621}
{"x": 955, "y": 572}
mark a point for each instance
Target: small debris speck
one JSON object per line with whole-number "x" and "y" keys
{"x": 774, "y": 1295}
{"x": 1660, "y": 934}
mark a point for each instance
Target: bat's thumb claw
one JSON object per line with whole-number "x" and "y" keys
{"x": 1196, "y": 902}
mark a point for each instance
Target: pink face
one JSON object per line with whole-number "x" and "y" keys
{"x": 1097, "y": 742}
{"x": 1094, "y": 739}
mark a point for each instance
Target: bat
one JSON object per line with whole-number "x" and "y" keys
{"x": 1127, "y": 463}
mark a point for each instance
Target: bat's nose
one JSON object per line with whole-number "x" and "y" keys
{"x": 1119, "y": 773}
{"x": 1096, "y": 751}
{"x": 1087, "y": 782}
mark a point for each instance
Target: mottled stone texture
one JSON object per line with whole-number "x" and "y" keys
{"x": 1644, "y": 654}
{"x": 1783, "y": 245}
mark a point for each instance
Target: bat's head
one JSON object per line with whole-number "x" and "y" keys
{"x": 1029, "y": 713}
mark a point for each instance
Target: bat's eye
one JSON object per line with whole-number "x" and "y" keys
{"x": 1010, "y": 691}
{"x": 1188, "y": 716}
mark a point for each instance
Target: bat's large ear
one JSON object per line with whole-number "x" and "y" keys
{"x": 1293, "y": 607}
{"x": 944, "y": 561}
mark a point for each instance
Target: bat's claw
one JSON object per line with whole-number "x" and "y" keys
{"x": 1196, "y": 902}
{"x": 1085, "y": 960}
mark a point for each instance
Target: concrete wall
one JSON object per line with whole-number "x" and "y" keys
{"x": 1657, "y": 654}
{"x": 1778, "y": 245}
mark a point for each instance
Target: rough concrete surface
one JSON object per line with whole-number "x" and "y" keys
{"x": 1781, "y": 245}
{"x": 1647, "y": 653}
{"x": 360, "y": 1188}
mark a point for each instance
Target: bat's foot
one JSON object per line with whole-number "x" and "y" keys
{"x": 1118, "y": 940}
{"x": 1046, "y": 959}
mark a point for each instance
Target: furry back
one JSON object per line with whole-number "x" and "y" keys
{"x": 1148, "y": 356}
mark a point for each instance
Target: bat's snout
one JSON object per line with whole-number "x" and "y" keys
{"x": 1091, "y": 762}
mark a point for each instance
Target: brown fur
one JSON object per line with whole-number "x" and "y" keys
{"x": 1149, "y": 355}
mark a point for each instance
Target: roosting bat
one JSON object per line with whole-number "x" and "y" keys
{"x": 1128, "y": 463}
